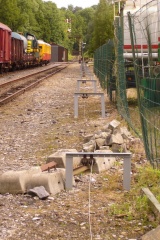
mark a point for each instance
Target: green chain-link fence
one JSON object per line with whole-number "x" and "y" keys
{"x": 139, "y": 106}
{"x": 144, "y": 28}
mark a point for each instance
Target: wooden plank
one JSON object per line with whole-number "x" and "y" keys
{"x": 80, "y": 170}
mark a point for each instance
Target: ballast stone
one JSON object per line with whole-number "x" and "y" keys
{"x": 60, "y": 158}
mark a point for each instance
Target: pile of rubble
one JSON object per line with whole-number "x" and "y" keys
{"x": 112, "y": 137}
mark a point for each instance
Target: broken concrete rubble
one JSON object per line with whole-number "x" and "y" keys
{"x": 39, "y": 191}
{"x": 112, "y": 137}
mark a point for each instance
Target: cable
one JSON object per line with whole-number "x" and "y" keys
{"x": 90, "y": 180}
{"x": 89, "y": 204}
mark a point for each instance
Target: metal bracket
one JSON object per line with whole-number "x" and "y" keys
{"x": 83, "y": 94}
{"x": 126, "y": 166}
{"x": 85, "y": 81}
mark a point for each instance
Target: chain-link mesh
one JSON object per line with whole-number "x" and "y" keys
{"x": 132, "y": 72}
{"x": 145, "y": 34}
{"x": 103, "y": 66}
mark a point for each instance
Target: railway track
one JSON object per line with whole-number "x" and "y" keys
{"x": 13, "y": 88}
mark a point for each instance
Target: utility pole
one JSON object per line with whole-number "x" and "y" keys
{"x": 80, "y": 50}
{"x": 83, "y": 47}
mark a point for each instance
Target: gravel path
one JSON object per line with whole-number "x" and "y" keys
{"x": 41, "y": 121}
{"x": 34, "y": 126}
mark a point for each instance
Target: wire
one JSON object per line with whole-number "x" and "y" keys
{"x": 90, "y": 180}
{"x": 89, "y": 204}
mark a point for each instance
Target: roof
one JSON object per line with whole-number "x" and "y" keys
{"x": 54, "y": 44}
{"x": 5, "y": 27}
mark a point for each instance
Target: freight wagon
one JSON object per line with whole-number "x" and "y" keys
{"x": 19, "y": 51}
{"x": 5, "y": 47}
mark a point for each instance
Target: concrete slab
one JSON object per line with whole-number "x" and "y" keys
{"x": 155, "y": 205}
{"x": 103, "y": 164}
{"x": 152, "y": 235}
{"x": 60, "y": 158}
{"x": 14, "y": 181}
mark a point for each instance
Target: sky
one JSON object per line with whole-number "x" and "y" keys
{"x": 78, "y": 3}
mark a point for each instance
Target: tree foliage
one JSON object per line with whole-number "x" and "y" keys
{"x": 65, "y": 26}
{"x": 103, "y": 24}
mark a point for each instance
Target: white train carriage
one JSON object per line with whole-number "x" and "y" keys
{"x": 146, "y": 28}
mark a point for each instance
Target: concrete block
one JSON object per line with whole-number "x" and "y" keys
{"x": 14, "y": 181}
{"x": 63, "y": 172}
{"x": 154, "y": 204}
{"x": 60, "y": 158}
{"x": 152, "y": 235}
{"x": 53, "y": 182}
{"x": 103, "y": 163}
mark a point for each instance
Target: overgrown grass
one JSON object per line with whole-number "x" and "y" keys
{"x": 134, "y": 204}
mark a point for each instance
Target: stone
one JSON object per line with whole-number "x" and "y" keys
{"x": 152, "y": 235}
{"x": 90, "y": 146}
{"x": 100, "y": 142}
{"x": 116, "y": 139}
{"x": 39, "y": 191}
{"x": 119, "y": 147}
{"x": 114, "y": 124}
{"x": 15, "y": 182}
{"x": 125, "y": 133}
{"x": 87, "y": 138}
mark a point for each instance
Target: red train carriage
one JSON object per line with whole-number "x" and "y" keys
{"x": 17, "y": 51}
{"x": 5, "y": 47}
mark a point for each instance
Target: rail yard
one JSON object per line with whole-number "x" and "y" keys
{"x": 79, "y": 117}
{"x": 37, "y": 124}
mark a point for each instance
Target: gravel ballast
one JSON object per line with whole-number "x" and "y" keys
{"x": 34, "y": 126}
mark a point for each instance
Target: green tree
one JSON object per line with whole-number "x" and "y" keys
{"x": 28, "y": 10}
{"x": 92, "y": 25}
{"x": 88, "y": 15}
{"x": 10, "y": 14}
{"x": 103, "y": 24}
{"x": 56, "y": 23}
